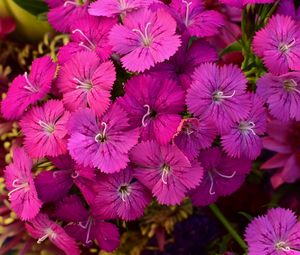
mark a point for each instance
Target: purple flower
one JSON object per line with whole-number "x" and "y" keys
{"x": 193, "y": 18}
{"x": 144, "y": 39}
{"x": 218, "y": 93}
{"x": 282, "y": 94}
{"x": 165, "y": 170}
{"x": 85, "y": 226}
{"x": 86, "y": 83}
{"x": 222, "y": 176}
{"x": 243, "y": 139}
{"x": 278, "y": 44}
{"x": 194, "y": 135}
{"x": 41, "y": 228}
{"x": 88, "y": 34}
{"x": 19, "y": 182}
{"x": 63, "y": 13}
{"x": 155, "y": 105}
{"x": 101, "y": 142}
{"x": 45, "y": 130}
{"x": 28, "y": 89}
{"x": 277, "y": 232}
{"x": 120, "y": 196}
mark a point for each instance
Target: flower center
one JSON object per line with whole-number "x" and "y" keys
{"x": 290, "y": 86}
{"x": 124, "y": 191}
{"x": 210, "y": 176}
{"x": 91, "y": 45}
{"x": 102, "y": 137}
{"x": 148, "y": 115}
{"x": 29, "y": 85}
{"x": 85, "y": 85}
{"x": 282, "y": 246}
{"x": 188, "y": 128}
{"x": 218, "y": 96}
{"x": 285, "y": 47}
{"x": 245, "y": 127}
{"x": 18, "y": 185}
{"x": 48, "y": 128}
{"x": 187, "y": 11}
{"x": 146, "y": 39}
{"x": 166, "y": 169}
{"x": 48, "y": 233}
{"x": 88, "y": 225}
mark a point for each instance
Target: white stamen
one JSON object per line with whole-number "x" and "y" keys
{"x": 87, "y": 226}
{"x": 291, "y": 85}
{"x": 30, "y": 87}
{"x": 100, "y": 136}
{"x": 283, "y": 47}
{"x": 225, "y": 176}
{"x": 211, "y": 192}
{"x": 74, "y": 175}
{"x": 43, "y": 238}
{"x": 165, "y": 172}
{"x": 47, "y": 127}
{"x": 146, "y": 115}
{"x": 70, "y": 2}
{"x": 220, "y": 95}
{"x": 85, "y": 37}
{"x": 145, "y": 35}
{"x": 83, "y": 85}
{"x": 187, "y": 11}
{"x": 17, "y": 187}
{"x": 247, "y": 126}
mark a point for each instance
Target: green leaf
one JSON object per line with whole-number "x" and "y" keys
{"x": 235, "y": 46}
{"x": 34, "y": 7}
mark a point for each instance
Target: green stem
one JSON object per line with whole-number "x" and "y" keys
{"x": 216, "y": 211}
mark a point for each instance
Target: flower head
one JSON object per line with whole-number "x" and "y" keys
{"x": 278, "y": 44}
{"x": 222, "y": 176}
{"x": 282, "y": 94}
{"x": 19, "y": 182}
{"x": 28, "y": 89}
{"x": 277, "y": 232}
{"x": 144, "y": 39}
{"x": 243, "y": 137}
{"x": 101, "y": 142}
{"x": 86, "y": 83}
{"x": 45, "y": 130}
{"x": 165, "y": 170}
{"x": 218, "y": 93}
{"x": 41, "y": 228}
{"x": 119, "y": 195}
{"x": 154, "y": 105}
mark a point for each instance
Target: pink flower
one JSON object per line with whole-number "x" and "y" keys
{"x": 63, "y": 13}
{"x": 222, "y": 176}
{"x": 284, "y": 138}
{"x": 278, "y": 44}
{"x": 85, "y": 226}
{"x": 165, "y": 170}
{"x": 88, "y": 34}
{"x": 86, "y": 83}
{"x": 154, "y": 105}
{"x": 193, "y": 135}
{"x": 277, "y": 232}
{"x": 28, "y": 89}
{"x": 120, "y": 196}
{"x": 101, "y": 142}
{"x": 193, "y": 18}
{"x": 19, "y": 182}
{"x": 243, "y": 139}
{"x": 282, "y": 94}
{"x": 45, "y": 130}
{"x": 218, "y": 93}
{"x": 144, "y": 39}
{"x": 41, "y": 228}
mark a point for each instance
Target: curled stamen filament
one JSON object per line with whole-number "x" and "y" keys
{"x": 145, "y": 35}
{"x": 84, "y": 46}
{"x": 30, "y": 87}
{"x": 163, "y": 177}
{"x": 211, "y": 192}
{"x": 225, "y": 176}
{"x": 188, "y": 4}
{"x": 74, "y": 175}
{"x": 17, "y": 187}
{"x": 87, "y": 226}
{"x": 146, "y": 115}
{"x": 70, "y": 2}
{"x": 101, "y": 135}
{"x": 220, "y": 95}
{"x": 251, "y": 126}
{"x": 123, "y": 195}
{"x": 84, "y": 36}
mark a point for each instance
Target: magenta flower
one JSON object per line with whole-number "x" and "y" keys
{"x": 241, "y": 3}
{"x": 282, "y": 94}
{"x": 243, "y": 138}
{"x": 41, "y": 228}
{"x": 111, "y": 8}
{"x": 102, "y": 142}
{"x": 222, "y": 176}
{"x": 181, "y": 66}
{"x": 165, "y": 170}
{"x": 144, "y": 39}
{"x": 63, "y": 13}
{"x": 120, "y": 196}
{"x": 193, "y": 18}
{"x": 19, "y": 182}
{"x": 154, "y": 105}
{"x": 45, "y": 130}
{"x": 86, "y": 83}
{"x": 288, "y": 8}
{"x": 194, "y": 135}
{"x": 278, "y": 44}
{"x": 88, "y": 34}
{"x": 284, "y": 138}
{"x": 218, "y": 93}
{"x": 85, "y": 226}
{"x": 277, "y": 232}
{"x": 61, "y": 180}
{"x": 28, "y": 89}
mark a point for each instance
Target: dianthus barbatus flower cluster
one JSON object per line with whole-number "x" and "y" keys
{"x": 138, "y": 107}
